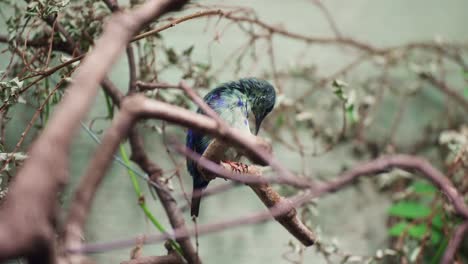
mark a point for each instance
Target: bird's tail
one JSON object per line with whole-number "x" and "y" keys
{"x": 196, "y": 198}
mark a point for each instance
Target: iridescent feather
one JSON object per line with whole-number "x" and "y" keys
{"x": 233, "y": 102}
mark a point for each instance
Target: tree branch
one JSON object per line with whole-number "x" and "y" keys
{"x": 173, "y": 212}
{"x": 443, "y": 87}
{"x": 405, "y": 162}
{"x": 454, "y": 243}
{"x": 288, "y": 216}
{"x": 49, "y": 155}
{"x": 172, "y": 258}
{"x": 250, "y": 175}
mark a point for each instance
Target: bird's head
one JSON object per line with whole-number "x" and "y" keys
{"x": 261, "y": 96}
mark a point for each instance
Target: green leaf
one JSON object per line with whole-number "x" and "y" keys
{"x": 421, "y": 187}
{"x": 338, "y": 90}
{"x": 418, "y": 231}
{"x": 436, "y": 236}
{"x": 409, "y": 210}
{"x": 351, "y": 113}
{"x": 398, "y": 229}
{"x": 437, "y": 221}
{"x": 421, "y": 230}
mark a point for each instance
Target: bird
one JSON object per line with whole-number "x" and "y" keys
{"x": 234, "y": 102}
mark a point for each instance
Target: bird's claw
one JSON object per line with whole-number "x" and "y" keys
{"x": 237, "y": 166}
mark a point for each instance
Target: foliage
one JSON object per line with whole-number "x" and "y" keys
{"x": 379, "y": 104}
{"x": 10, "y": 92}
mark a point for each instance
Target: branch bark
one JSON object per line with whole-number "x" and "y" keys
{"x": 173, "y": 212}
{"x": 383, "y": 164}
{"x": 454, "y": 243}
{"x": 250, "y": 175}
{"x": 288, "y": 216}
{"x": 36, "y": 201}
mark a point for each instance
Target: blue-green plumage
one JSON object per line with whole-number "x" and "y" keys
{"x": 233, "y": 102}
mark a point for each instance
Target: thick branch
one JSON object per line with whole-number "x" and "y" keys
{"x": 405, "y": 162}
{"x": 48, "y": 157}
{"x": 288, "y": 216}
{"x": 94, "y": 174}
{"x": 208, "y": 166}
{"x": 93, "y": 70}
{"x": 138, "y": 106}
{"x": 211, "y": 169}
{"x": 173, "y": 212}
{"x": 244, "y": 141}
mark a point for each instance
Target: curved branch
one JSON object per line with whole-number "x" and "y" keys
{"x": 454, "y": 243}
{"x": 376, "y": 166}
{"x": 404, "y": 162}
{"x": 49, "y": 155}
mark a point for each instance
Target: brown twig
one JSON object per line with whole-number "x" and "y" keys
{"x": 132, "y": 70}
{"x": 143, "y": 86}
{"x": 442, "y": 86}
{"x": 48, "y": 157}
{"x": 177, "y": 21}
{"x": 328, "y": 16}
{"x": 173, "y": 212}
{"x": 94, "y": 175}
{"x": 404, "y": 162}
{"x": 140, "y": 157}
{"x": 345, "y": 180}
{"x": 383, "y": 164}
{"x": 101, "y": 58}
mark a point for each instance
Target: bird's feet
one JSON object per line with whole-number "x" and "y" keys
{"x": 237, "y": 166}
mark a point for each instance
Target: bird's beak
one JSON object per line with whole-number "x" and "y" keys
{"x": 258, "y": 122}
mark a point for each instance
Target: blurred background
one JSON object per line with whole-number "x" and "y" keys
{"x": 339, "y": 103}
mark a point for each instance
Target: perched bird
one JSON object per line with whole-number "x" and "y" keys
{"x": 233, "y": 102}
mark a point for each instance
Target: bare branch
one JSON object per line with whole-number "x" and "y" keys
{"x": 94, "y": 175}
{"x": 405, "y": 162}
{"x": 288, "y": 217}
{"x": 169, "y": 259}
{"x": 173, "y": 212}
{"x": 132, "y": 70}
{"x": 443, "y": 87}
{"x": 454, "y": 243}
{"x": 51, "y": 171}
